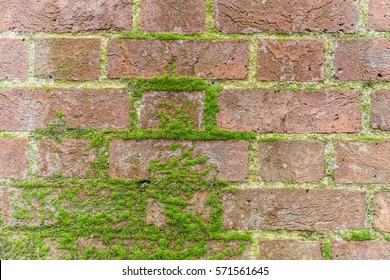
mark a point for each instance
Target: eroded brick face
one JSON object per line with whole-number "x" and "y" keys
{"x": 13, "y": 59}
{"x": 272, "y": 209}
{"x": 382, "y": 211}
{"x": 289, "y": 112}
{"x": 380, "y": 110}
{"x": 379, "y": 15}
{"x": 225, "y": 59}
{"x": 29, "y": 109}
{"x": 179, "y": 16}
{"x": 245, "y": 16}
{"x": 13, "y": 158}
{"x": 67, "y": 59}
{"x": 290, "y": 60}
{"x": 227, "y": 160}
{"x": 289, "y": 250}
{"x": 361, "y": 250}
{"x": 66, "y": 16}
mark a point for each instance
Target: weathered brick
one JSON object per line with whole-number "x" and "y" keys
{"x": 380, "y": 110}
{"x": 243, "y": 16}
{"x": 197, "y": 206}
{"x": 180, "y": 16}
{"x": 289, "y": 250}
{"x": 68, "y": 59}
{"x": 382, "y": 211}
{"x": 71, "y": 157}
{"x": 361, "y": 250}
{"x": 228, "y": 160}
{"x": 290, "y": 60}
{"x": 292, "y": 160}
{"x": 228, "y": 249}
{"x": 289, "y": 112}
{"x": 205, "y": 59}
{"x": 13, "y": 157}
{"x": 362, "y": 162}
{"x": 28, "y": 109}
{"x": 65, "y": 16}
{"x": 271, "y": 209}
{"x": 379, "y": 15}
{"x": 362, "y": 59}
{"x": 184, "y": 106}
{"x": 13, "y": 58}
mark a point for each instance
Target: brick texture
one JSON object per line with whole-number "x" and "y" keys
{"x": 362, "y": 162}
{"x": 382, "y": 211}
{"x": 289, "y": 112}
{"x": 380, "y": 110}
{"x": 292, "y": 160}
{"x": 243, "y": 16}
{"x": 180, "y": 16}
{"x": 69, "y": 158}
{"x": 379, "y": 15}
{"x": 28, "y": 109}
{"x": 67, "y": 59}
{"x": 361, "y": 250}
{"x": 289, "y": 250}
{"x": 204, "y": 59}
{"x": 272, "y": 209}
{"x": 228, "y": 160}
{"x": 13, "y": 59}
{"x": 290, "y": 60}
{"x": 13, "y": 158}
{"x": 158, "y": 107}
{"x": 362, "y": 59}
{"x": 65, "y": 16}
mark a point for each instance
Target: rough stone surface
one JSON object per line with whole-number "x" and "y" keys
{"x": 130, "y": 159}
{"x": 67, "y": 59}
{"x": 362, "y": 59}
{"x": 184, "y": 106}
{"x": 290, "y": 60}
{"x": 289, "y": 112}
{"x": 361, "y": 250}
{"x": 362, "y": 162}
{"x": 65, "y": 15}
{"x": 28, "y": 109}
{"x": 245, "y": 16}
{"x": 272, "y": 209}
{"x": 71, "y": 157}
{"x": 379, "y": 15}
{"x": 13, "y": 58}
{"x": 292, "y": 160}
{"x": 382, "y": 211}
{"x": 13, "y": 158}
{"x": 289, "y": 250}
{"x": 380, "y": 110}
{"x": 180, "y": 16}
{"x": 224, "y": 59}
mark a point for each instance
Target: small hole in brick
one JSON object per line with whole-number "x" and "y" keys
{"x": 380, "y": 75}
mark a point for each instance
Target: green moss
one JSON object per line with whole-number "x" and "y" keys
{"x": 327, "y": 251}
{"x": 387, "y": 237}
{"x": 368, "y": 138}
{"x": 360, "y": 235}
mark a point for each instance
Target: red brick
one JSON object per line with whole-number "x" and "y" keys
{"x": 289, "y": 250}
{"x": 180, "y": 16}
{"x": 362, "y": 59}
{"x": 130, "y": 159}
{"x": 361, "y": 250}
{"x": 71, "y": 157}
{"x": 185, "y": 106}
{"x": 289, "y": 112}
{"x": 13, "y": 158}
{"x": 379, "y": 15}
{"x": 13, "y": 59}
{"x": 65, "y": 16}
{"x": 204, "y": 59}
{"x": 362, "y": 162}
{"x": 290, "y": 60}
{"x": 380, "y": 110}
{"x": 382, "y": 211}
{"x": 292, "y": 160}
{"x": 28, "y": 109}
{"x": 272, "y": 209}
{"x": 68, "y": 59}
{"x": 243, "y": 16}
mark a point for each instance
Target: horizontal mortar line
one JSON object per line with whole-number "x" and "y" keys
{"x": 40, "y": 83}
{"x": 305, "y": 235}
{"x": 356, "y": 136}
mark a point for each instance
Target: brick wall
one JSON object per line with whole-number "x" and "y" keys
{"x": 216, "y": 129}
